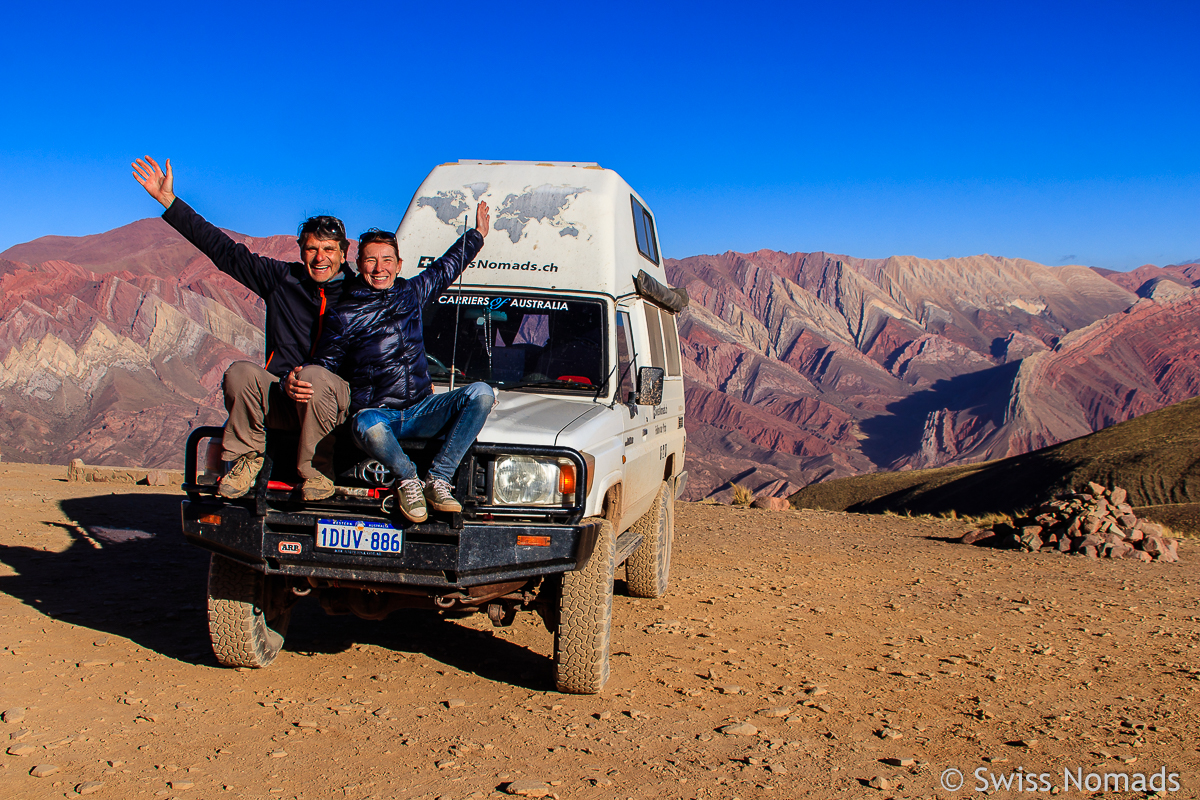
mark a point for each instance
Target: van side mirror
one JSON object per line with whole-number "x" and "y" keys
{"x": 650, "y": 386}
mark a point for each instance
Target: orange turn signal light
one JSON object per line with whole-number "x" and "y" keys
{"x": 533, "y": 541}
{"x": 211, "y": 519}
{"x": 566, "y": 479}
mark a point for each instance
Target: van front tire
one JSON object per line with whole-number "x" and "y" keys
{"x": 242, "y": 635}
{"x": 583, "y": 635}
{"x": 648, "y": 570}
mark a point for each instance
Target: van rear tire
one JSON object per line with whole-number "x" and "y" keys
{"x": 242, "y": 635}
{"x": 583, "y": 635}
{"x": 648, "y": 570}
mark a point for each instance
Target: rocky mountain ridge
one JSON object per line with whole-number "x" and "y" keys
{"x": 799, "y": 367}
{"x": 114, "y": 365}
{"x": 910, "y": 363}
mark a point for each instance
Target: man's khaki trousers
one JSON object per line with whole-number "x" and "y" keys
{"x": 255, "y": 401}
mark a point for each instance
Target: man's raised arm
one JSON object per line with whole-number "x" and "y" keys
{"x": 159, "y": 184}
{"x": 257, "y": 273}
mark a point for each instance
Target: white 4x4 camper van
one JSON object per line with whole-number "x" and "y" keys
{"x": 567, "y": 313}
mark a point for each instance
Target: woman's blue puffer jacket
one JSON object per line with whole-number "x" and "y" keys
{"x": 373, "y": 337}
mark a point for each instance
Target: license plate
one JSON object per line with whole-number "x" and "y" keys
{"x": 357, "y": 534}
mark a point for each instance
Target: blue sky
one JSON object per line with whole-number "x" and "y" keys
{"x": 1058, "y": 132}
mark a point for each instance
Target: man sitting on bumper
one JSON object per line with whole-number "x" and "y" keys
{"x": 297, "y": 296}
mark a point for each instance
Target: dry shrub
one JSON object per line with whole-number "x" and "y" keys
{"x": 988, "y": 520}
{"x": 1170, "y": 532}
{"x": 741, "y": 495}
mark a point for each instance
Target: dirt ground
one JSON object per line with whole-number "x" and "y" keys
{"x": 869, "y": 655}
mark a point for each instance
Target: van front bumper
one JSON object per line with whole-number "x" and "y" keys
{"x": 433, "y": 555}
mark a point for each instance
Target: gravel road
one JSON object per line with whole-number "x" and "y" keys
{"x": 799, "y": 654}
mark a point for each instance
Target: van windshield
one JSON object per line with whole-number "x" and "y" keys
{"x": 516, "y": 341}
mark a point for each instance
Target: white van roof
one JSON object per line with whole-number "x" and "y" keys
{"x": 566, "y": 226}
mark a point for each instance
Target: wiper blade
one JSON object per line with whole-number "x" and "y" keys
{"x": 551, "y": 385}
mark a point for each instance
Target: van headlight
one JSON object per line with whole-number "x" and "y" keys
{"x": 533, "y": 481}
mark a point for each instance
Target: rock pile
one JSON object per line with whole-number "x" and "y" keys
{"x": 1097, "y": 523}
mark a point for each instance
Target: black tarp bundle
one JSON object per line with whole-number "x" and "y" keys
{"x": 673, "y": 300}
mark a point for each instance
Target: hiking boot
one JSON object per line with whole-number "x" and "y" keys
{"x": 438, "y": 493}
{"x": 318, "y": 488}
{"x": 241, "y": 476}
{"x": 411, "y": 500}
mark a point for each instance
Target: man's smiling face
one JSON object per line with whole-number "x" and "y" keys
{"x": 322, "y": 257}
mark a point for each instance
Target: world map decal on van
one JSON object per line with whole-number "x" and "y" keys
{"x": 543, "y": 204}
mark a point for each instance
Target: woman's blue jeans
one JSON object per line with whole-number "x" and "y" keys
{"x": 459, "y": 415}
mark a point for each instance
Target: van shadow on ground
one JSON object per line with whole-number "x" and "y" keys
{"x": 128, "y": 572}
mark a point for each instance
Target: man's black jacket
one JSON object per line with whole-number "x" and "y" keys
{"x": 373, "y": 338}
{"x": 295, "y": 302}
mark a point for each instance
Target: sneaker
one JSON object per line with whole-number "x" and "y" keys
{"x": 438, "y": 493}
{"x": 241, "y": 476}
{"x": 411, "y": 500}
{"x": 318, "y": 488}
